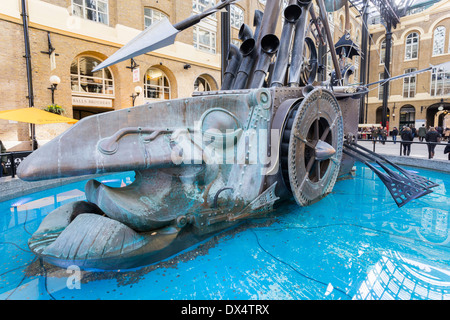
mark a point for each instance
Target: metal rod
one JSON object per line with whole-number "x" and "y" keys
{"x": 291, "y": 14}
{"x": 225, "y": 38}
{"x": 324, "y": 18}
{"x": 27, "y": 56}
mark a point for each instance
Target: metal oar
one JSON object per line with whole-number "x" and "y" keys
{"x": 443, "y": 66}
{"x": 414, "y": 177}
{"x": 403, "y": 178}
{"x": 158, "y": 35}
{"x": 401, "y": 192}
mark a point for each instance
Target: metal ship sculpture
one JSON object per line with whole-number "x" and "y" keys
{"x": 205, "y": 163}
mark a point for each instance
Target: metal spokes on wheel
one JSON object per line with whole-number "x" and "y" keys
{"x": 309, "y": 66}
{"x": 318, "y": 149}
{"x": 315, "y": 131}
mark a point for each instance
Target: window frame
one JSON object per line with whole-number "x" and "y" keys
{"x": 208, "y": 86}
{"x": 103, "y": 79}
{"x": 85, "y": 8}
{"x": 443, "y": 41}
{"x": 407, "y": 84}
{"x": 153, "y": 11}
{"x": 413, "y": 47}
{"x": 381, "y": 86}
{"x": 233, "y": 9}
{"x": 212, "y": 47}
{"x": 160, "y": 88}
{"x": 434, "y": 84}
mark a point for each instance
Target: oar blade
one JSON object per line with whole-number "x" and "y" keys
{"x": 158, "y": 35}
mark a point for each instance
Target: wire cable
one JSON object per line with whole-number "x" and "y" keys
{"x": 296, "y": 270}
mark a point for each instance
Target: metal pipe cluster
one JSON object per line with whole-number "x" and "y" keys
{"x": 263, "y": 60}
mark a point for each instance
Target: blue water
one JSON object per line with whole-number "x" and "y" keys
{"x": 354, "y": 244}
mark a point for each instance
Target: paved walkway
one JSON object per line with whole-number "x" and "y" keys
{"x": 417, "y": 150}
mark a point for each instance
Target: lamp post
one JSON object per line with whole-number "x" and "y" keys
{"x": 137, "y": 92}
{"x": 54, "y": 80}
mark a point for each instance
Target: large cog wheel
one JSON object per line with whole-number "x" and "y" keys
{"x": 315, "y": 146}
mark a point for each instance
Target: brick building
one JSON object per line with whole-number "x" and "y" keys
{"x": 86, "y": 32}
{"x": 421, "y": 39}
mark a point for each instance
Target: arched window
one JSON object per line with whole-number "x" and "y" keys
{"x": 438, "y": 40}
{"x": 156, "y": 85}
{"x": 151, "y": 16}
{"x": 202, "y": 84}
{"x": 84, "y": 81}
{"x": 412, "y": 46}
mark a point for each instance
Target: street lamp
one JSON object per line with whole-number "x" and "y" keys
{"x": 54, "y": 80}
{"x": 137, "y": 92}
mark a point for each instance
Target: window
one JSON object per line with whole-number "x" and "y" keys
{"x": 438, "y": 40}
{"x": 95, "y": 10}
{"x": 201, "y": 5}
{"x": 204, "y": 39}
{"x": 407, "y": 116}
{"x": 156, "y": 85}
{"x": 236, "y": 16}
{"x": 412, "y": 46}
{"x": 409, "y": 84}
{"x": 204, "y": 34}
{"x": 440, "y": 82}
{"x": 84, "y": 81}
{"x": 381, "y": 86}
{"x": 201, "y": 84}
{"x": 151, "y": 16}
{"x": 382, "y": 51}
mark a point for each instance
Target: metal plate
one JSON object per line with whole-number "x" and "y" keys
{"x": 319, "y": 118}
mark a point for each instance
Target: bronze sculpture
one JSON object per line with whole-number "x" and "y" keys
{"x": 270, "y": 133}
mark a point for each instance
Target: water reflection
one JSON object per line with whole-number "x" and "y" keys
{"x": 395, "y": 276}
{"x": 354, "y": 244}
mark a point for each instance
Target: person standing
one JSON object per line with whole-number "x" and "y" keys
{"x": 406, "y": 141}
{"x": 432, "y": 137}
{"x": 375, "y": 133}
{"x": 447, "y": 149}
{"x": 383, "y": 135}
{"x": 422, "y": 133}
{"x": 3, "y": 159}
{"x": 394, "y": 135}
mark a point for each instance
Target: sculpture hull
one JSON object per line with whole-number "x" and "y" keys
{"x": 214, "y": 160}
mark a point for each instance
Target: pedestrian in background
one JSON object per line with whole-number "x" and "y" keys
{"x": 3, "y": 159}
{"x": 375, "y": 133}
{"x": 406, "y": 141}
{"x": 447, "y": 149}
{"x": 394, "y": 135}
{"x": 383, "y": 135}
{"x": 422, "y": 133}
{"x": 432, "y": 137}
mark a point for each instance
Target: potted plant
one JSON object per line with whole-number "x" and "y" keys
{"x": 54, "y": 108}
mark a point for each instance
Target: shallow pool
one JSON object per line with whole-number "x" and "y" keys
{"x": 354, "y": 244}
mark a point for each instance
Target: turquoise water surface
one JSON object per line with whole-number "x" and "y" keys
{"x": 354, "y": 244}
